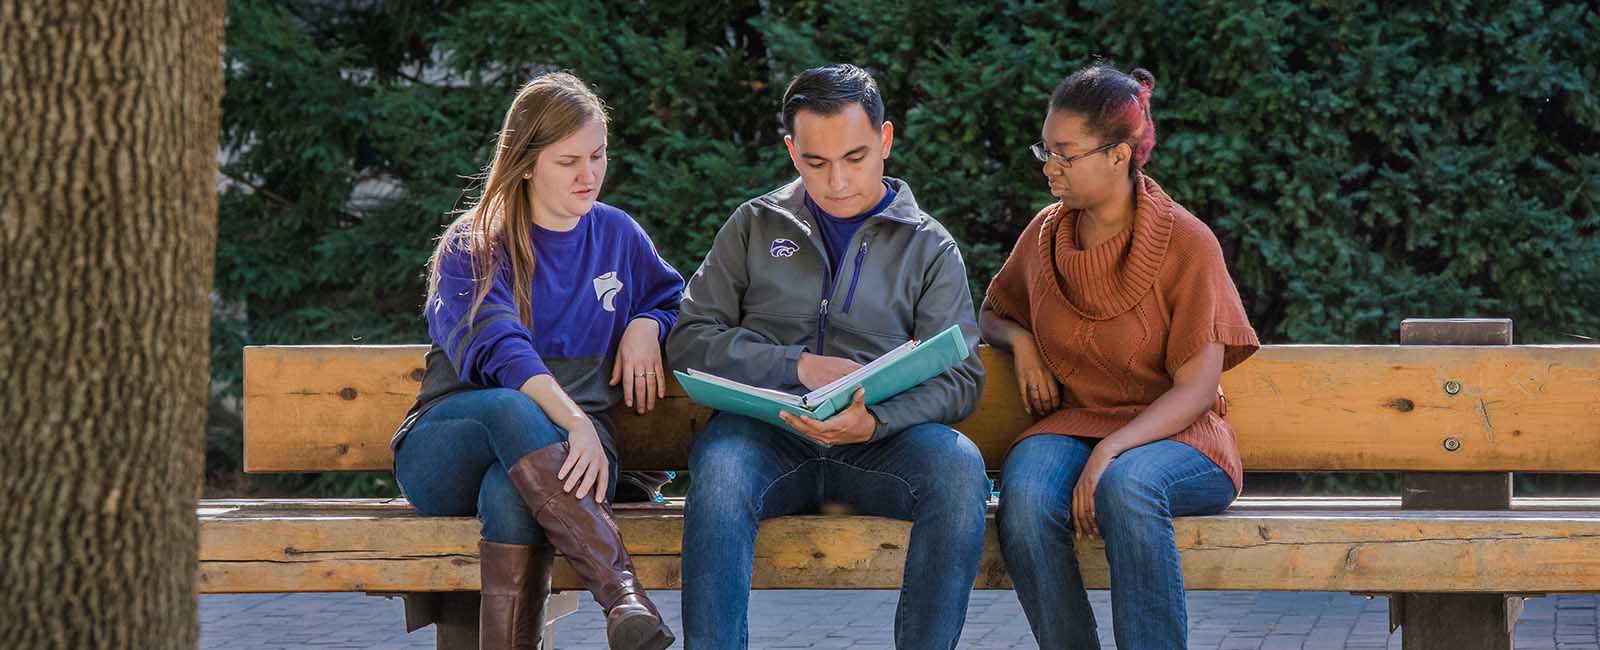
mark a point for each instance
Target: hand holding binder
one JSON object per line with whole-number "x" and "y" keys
{"x": 854, "y": 424}
{"x": 891, "y": 374}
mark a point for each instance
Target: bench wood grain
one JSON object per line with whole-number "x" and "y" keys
{"x": 1295, "y": 407}
{"x": 1352, "y": 545}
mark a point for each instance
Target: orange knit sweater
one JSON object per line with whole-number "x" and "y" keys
{"x": 1113, "y": 323}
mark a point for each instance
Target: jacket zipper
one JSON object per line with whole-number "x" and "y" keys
{"x": 822, "y": 326}
{"x": 828, "y": 286}
{"x": 861, "y": 258}
{"x": 829, "y": 282}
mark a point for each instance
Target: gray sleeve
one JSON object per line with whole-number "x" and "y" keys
{"x": 708, "y": 336}
{"x": 952, "y": 396}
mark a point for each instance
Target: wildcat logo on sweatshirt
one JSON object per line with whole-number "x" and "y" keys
{"x": 783, "y": 248}
{"x": 606, "y": 288}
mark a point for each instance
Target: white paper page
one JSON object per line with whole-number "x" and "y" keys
{"x": 729, "y": 383}
{"x": 821, "y": 394}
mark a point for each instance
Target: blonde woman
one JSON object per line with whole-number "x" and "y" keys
{"x": 545, "y": 308}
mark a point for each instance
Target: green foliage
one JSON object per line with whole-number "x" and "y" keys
{"x": 1360, "y": 163}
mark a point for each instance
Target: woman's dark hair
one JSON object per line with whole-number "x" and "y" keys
{"x": 828, "y": 90}
{"x": 1116, "y": 107}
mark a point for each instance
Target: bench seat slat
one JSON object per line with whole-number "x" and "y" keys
{"x": 1354, "y": 545}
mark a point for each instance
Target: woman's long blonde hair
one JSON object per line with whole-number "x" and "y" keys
{"x": 496, "y": 228}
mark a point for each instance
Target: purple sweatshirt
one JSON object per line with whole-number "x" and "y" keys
{"x": 589, "y": 283}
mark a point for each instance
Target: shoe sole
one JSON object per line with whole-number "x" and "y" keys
{"x": 643, "y": 632}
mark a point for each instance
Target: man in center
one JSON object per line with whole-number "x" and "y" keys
{"x": 802, "y": 286}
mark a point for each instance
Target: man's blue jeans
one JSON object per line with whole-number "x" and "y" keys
{"x": 743, "y": 470}
{"x": 454, "y": 460}
{"x": 1138, "y": 495}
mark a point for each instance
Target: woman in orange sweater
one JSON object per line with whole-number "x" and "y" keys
{"x": 1119, "y": 311}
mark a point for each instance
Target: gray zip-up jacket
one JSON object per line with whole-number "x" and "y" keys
{"x": 766, "y": 293}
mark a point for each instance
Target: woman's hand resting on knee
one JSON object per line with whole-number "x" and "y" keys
{"x": 587, "y": 465}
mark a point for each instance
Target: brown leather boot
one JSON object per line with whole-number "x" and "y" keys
{"x": 585, "y": 532}
{"x": 515, "y": 582}
{"x": 539, "y": 594}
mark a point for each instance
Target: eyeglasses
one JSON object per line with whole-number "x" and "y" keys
{"x": 1045, "y": 155}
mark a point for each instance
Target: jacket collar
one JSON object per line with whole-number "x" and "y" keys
{"x": 790, "y": 200}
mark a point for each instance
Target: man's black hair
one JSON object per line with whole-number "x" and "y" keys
{"x": 830, "y": 89}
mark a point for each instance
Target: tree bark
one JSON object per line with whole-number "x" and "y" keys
{"x": 109, "y": 117}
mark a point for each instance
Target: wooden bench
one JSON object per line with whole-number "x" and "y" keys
{"x": 1455, "y": 408}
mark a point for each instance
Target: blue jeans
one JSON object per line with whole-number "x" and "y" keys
{"x": 744, "y": 470}
{"x": 454, "y": 462}
{"x": 1138, "y": 495}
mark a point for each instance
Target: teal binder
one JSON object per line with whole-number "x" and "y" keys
{"x": 889, "y": 375}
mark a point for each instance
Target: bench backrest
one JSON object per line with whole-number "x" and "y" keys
{"x": 1295, "y": 407}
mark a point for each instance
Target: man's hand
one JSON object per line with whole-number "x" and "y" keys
{"x": 852, "y": 425}
{"x": 817, "y": 371}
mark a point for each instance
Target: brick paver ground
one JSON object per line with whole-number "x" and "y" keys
{"x": 862, "y": 620}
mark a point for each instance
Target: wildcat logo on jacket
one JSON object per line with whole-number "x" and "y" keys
{"x": 606, "y": 288}
{"x": 783, "y": 248}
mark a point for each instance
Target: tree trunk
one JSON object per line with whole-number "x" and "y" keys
{"x": 109, "y": 117}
